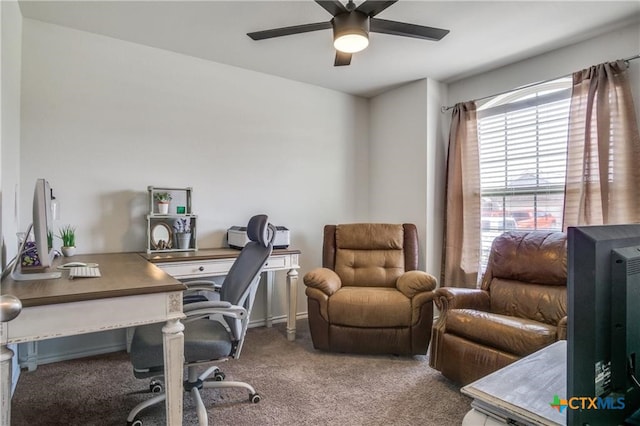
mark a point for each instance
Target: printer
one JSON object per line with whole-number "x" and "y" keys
{"x": 237, "y": 237}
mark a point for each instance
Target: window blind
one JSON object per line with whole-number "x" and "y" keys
{"x": 523, "y": 145}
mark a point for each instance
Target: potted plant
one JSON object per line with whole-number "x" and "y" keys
{"x": 182, "y": 232}
{"x": 163, "y": 199}
{"x": 68, "y": 236}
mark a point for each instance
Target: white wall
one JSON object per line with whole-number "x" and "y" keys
{"x": 10, "y": 125}
{"x": 619, "y": 44}
{"x": 398, "y": 156}
{"x": 405, "y": 144}
{"x": 437, "y": 144}
{"x": 102, "y": 119}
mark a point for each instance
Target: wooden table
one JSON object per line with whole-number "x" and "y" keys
{"x": 521, "y": 393}
{"x": 130, "y": 292}
{"x": 217, "y": 262}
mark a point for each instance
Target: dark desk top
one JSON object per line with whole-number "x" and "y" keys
{"x": 122, "y": 274}
{"x": 204, "y": 254}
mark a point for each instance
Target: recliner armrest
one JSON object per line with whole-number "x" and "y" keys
{"x": 413, "y": 282}
{"x": 562, "y": 328}
{"x": 459, "y": 298}
{"x": 323, "y": 279}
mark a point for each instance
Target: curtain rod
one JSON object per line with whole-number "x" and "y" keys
{"x": 447, "y": 108}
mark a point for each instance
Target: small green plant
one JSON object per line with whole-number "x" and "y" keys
{"x": 68, "y": 236}
{"x": 49, "y": 239}
{"x": 162, "y": 197}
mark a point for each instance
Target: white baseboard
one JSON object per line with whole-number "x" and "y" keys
{"x": 72, "y": 354}
{"x": 262, "y": 322}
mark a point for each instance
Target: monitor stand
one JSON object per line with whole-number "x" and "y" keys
{"x": 16, "y": 271}
{"x": 34, "y": 276}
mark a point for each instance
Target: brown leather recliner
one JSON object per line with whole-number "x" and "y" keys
{"x": 520, "y": 308}
{"x": 369, "y": 296}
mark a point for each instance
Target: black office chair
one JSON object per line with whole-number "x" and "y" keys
{"x": 214, "y": 330}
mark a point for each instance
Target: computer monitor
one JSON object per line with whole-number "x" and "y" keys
{"x": 603, "y": 331}
{"x": 41, "y": 225}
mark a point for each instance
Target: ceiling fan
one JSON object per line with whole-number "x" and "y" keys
{"x": 351, "y": 26}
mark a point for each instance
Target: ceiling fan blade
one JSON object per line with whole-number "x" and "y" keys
{"x": 373, "y": 7}
{"x": 333, "y": 7}
{"x": 342, "y": 59}
{"x": 284, "y": 31}
{"x": 407, "y": 30}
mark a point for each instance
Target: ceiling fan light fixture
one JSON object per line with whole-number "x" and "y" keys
{"x": 351, "y": 43}
{"x": 350, "y": 32}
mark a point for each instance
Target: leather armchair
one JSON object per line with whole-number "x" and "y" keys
{"x": 369, "y": 296}
{"x": 520, "y": 308}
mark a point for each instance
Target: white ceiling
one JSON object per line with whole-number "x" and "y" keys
{"x": 484, "y": 35}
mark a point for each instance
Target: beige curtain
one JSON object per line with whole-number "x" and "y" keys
{"x": 462, "y": 211}
{"x": 603, "y": 158}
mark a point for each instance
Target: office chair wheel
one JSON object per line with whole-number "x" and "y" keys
{"x": 255, "y": 398}
{"x": 218, "y": 376}
{"x": 155, "y": 387}
{"x": 136, "y": 422}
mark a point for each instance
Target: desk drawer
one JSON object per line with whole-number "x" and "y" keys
{"x": 217, "y": 267}
{"x": 197, "y": 269}
{"x": 277, "y": 263}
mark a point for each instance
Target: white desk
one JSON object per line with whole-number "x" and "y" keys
{"x": 218, "y": 261}
{"x": 130, "y": 292}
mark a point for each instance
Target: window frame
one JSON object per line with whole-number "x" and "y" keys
{"x": 511, "y": 102}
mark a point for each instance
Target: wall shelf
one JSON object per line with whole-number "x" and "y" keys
{"x": 161, "y": 227}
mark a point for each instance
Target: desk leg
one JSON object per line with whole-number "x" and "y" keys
{"x": 31, "y": 358}
{"x": 269, "y": 276}
{"x": 6, "y": 355}
{"x": 292, "y": 295}
{"x": 173, "y": 342}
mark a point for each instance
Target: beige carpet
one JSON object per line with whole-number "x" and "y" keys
{"x": 299, "y": 386}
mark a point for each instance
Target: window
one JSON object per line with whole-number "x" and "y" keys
{"x": 522, "y": 137}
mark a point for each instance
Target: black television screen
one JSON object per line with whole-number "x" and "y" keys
{"x": 603, "y": 330}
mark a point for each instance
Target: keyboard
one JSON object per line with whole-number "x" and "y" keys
{"x": 83, "y": 272}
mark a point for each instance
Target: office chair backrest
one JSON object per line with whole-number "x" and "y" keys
{"x": 241, "y": 283}
{"x": 250, "y": 262}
